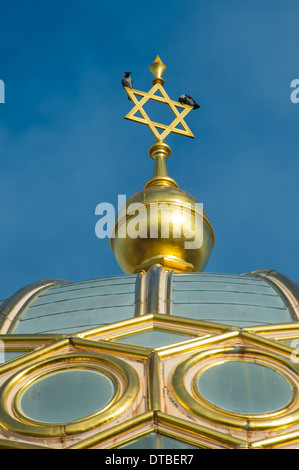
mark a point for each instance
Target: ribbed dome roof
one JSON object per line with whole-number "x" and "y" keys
{"x": 68, "y": 307}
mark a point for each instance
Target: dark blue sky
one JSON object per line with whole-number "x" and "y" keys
{"x": 66, "y": 147}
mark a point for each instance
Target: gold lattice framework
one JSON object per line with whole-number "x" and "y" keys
{"x": 157, "y": 93}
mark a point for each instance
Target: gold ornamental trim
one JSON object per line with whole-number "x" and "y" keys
{"x": 149, "y": 321}
{"x": 8, "y": 444}
{"x": 287, "y": 289}
{"x": 164, "y": 424}
{"x": 154, "y": 381}
{"x": 198, "y": 431}
{"x": 277, "y": 441}
{"x": 12, "y": 309}
{"x": 276, "y": 412}
{"x": 15, "y": 421}
{"x": 285, "y": 416}
{"x": 92, "y": 367}
{"x": 145, "y": 419}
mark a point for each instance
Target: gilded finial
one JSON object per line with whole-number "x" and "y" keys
{"x": 158, "y": 68}
{"x": 161, "y": 224}
{"x": 160, "y": 152}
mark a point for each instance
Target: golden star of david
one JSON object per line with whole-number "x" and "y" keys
{"x": 158, "y": 68}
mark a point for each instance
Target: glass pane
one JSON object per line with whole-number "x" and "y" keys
{"x": 67, "y": 396}
{"x": 158, "y": 441}
{"x": 7, "y": 355}
{"x": 245, "y": 387}
{"x": 154, "y": 338}
{"x": 146, "y": 442}
{"x": 171, "y": 443}
{"x": 13, "y": 354}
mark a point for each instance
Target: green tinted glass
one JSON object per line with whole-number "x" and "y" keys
{"x": 245, "y": 387}
{"x": 67, "y": 395}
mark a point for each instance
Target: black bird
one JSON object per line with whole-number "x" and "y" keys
{"x": 186, "y": 99}
{"x": 127, "y": 80}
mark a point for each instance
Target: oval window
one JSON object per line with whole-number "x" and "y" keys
{"x": 244, "y": 387}
{"x": 66, "y": 396}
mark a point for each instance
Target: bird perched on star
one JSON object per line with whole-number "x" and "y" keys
{"x": 127, "y": 81}
{"x": 186, "y": 99}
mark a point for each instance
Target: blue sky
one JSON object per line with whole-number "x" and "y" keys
{"x": 66, "y": 147}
